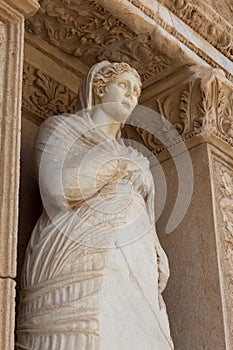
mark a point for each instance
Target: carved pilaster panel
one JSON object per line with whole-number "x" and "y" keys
{"x": 222, "y": 187}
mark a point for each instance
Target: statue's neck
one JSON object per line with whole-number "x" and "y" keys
{"x": 106, "y": 123}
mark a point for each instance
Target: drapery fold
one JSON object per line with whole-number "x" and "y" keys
{"x": 98, "y": 198}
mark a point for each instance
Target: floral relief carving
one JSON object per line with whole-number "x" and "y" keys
{"x": 226, "y": 113}
{"x": 201, "y": 104}
{"x": 87, "y": 31}
{"x": 224, "y": 197}
{"x": 43, "y": 95}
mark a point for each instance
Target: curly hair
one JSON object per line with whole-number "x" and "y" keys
{"x": 109, "y": 73}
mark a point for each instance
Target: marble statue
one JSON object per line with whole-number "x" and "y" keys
{"x": 94, "y": 269}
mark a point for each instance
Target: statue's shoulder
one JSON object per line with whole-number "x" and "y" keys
{"x": 59, "y": 121}
{"x": 54, "y": 119}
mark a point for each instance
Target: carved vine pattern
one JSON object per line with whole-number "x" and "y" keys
{"x": 85, "y": 30}
{"x": 224, "y": 197}
{"x": 44, "y": 96}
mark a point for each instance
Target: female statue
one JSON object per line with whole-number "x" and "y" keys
{"x": 94, "y": 269}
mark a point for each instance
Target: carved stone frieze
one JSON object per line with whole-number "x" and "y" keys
{"x": 43, "y": 96}
{"x": 199, "y": 104}
{"x": 205, "y": 21}
{"x": 208, "y": 24}
{"x": 223, "y": 188}
{"x": 201, "y": 18}
{"x": 87, "y": 31}
{"x": 224, "y": 8}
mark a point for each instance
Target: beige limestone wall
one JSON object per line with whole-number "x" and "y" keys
{"x": 193, "y": 294}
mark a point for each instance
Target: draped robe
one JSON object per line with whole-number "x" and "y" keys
{"x": 94, "y": 269}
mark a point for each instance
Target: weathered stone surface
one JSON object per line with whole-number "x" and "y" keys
{"x": 224, "y": 8}
{"x": 11, "y": 56}
{"x": 26, "y": 7}
{"x": 12, "y": 36}
{"x": 7, "y": 313}
{"x": 193, "y": 295}
{"x": 222, "y": 189}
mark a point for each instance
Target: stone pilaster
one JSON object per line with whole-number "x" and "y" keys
{"x": 12, "y": 14}
{"x": 197, "y": 101}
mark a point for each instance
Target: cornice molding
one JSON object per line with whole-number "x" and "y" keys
{"x": 157, "y": 15}
{"x": 201, "y": 18}
{"x": 205, "y": 21}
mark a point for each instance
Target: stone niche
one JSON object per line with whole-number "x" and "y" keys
{"x": 183, "y": 52}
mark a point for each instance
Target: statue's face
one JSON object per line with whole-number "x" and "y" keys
{"x": 120, "y": 96}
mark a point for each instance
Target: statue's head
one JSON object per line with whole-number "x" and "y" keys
{"x": 107, "y": 75}
{"x": 114, "y": 86}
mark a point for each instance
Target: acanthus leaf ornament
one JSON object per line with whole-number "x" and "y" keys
{"x": 44, "y": 96}
{"x": 200, "y": 104}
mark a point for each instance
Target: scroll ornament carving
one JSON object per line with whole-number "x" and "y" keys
{"x": 44, "y": 96}
{"x": 202, "y": 105}
{"x": 85, "y": 30}
{"x": 224, "y": 196}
